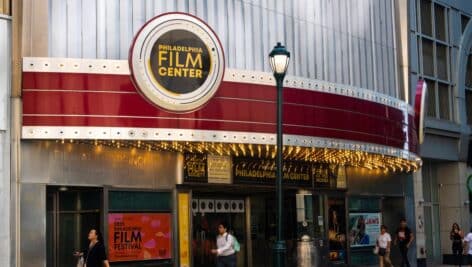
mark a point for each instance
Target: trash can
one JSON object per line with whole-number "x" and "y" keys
{"x": 307, "y": 254}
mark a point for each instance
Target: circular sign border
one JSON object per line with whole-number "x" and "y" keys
{"x": 212, "y": 82}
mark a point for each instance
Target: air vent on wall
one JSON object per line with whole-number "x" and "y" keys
{"x": 237, "y": 206}
{"x": 194, "y": 205}
{"x": 206, "y": 205}
{"x": 222, "y": 206}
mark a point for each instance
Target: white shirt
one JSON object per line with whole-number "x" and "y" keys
{"x": 225, "y": 245}
{"x": 384, "y": 239}
{"x": 468, "y": 239}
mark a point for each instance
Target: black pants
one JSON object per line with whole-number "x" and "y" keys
{"x": 404, "y": 253}
{"x": 226, "y": 261}
{"x": 457, "y": 252}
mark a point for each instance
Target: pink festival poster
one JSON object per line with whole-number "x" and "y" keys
{"x": 139, "y": 236}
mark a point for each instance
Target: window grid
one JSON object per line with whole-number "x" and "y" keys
{"x": 438, "y": 107}
{"x": 468, "y": 101}
{"x": 468, "y": 89}
{"x": 464, "y": 21}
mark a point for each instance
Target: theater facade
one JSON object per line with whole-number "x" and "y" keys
{"x": 154, "y": 122}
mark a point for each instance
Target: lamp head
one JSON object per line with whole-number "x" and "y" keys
{"x": 279, "y": 58}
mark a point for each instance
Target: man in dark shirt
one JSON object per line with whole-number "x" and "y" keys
{"x": 403, "y": 237}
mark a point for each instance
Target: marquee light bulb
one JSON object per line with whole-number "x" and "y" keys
{"x": 343, "y": 157}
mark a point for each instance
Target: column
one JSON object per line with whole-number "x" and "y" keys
{"x": 420, "y": 238}
{"x": 5, "y": 77}
{"x": 453, "y": 195}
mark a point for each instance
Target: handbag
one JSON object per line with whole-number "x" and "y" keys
{"x": 81, "y": 262}
{"x": 376, "y": 250}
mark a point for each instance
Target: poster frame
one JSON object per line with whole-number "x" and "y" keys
{"x": 171, "y": 232}
{"x": 372, "y": 242}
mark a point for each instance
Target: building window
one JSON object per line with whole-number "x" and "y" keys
{"x": 468, "y": 90}
{"x": 468, "y": 99}
{"x": 434, "y": 57}
{"x": 440, "y": 22}
{"x": 441, "y": 62}
{"x": 464, "y": 21}
{"x": 431, "y": 104}
{"x": 444, "y": 96}
{"x": 426, "y": 19}
{"x": 468, "y": 75}
{"x": 428, "y": 57}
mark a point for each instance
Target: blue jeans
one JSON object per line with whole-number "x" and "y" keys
{"x": 226, "y": 261}
{"x": 404, "y": 253}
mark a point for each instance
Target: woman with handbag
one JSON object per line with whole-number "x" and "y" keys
{"x": 95, "y": 255}
{"x": 456, "y": 237}
{"x": 384, "y": 243}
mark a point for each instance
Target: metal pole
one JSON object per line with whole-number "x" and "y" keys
{"x": 279, "y": 246}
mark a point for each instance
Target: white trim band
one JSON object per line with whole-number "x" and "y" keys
{"x": 166, "y": 134}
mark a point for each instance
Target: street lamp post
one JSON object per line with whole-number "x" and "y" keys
{"x": 279, "y": 58}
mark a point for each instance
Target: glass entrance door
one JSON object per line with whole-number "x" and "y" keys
{"x": 263, "y": 228}
{"x": 337, "y": 230}
{"x": 71, "y": 213}
{"x": 207, "y": 215}
{"x": 319, "y": 210}
{"x": 431, "y": 212}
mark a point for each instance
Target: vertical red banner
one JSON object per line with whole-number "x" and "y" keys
{"x": 139, "y": 236}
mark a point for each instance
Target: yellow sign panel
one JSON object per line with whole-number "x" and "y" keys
{"x": 184, "y": 230}
{"x": 219, "y": 169}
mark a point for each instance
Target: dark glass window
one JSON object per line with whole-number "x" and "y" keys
{"x": 139, "y": 201}
{"x": 426, "y": 17}
{"x": 431, "y": 101}
{"x": 71, "y": 213}
{"x": 464, "y": 21}
{"x": 444, "y": 101}
{"x": 468, "y": 104}
{"x": 440, "y": 22}
{"x": 428, "y": 58}
{"x": 362, "y": 204}
{"x": 433, "y": 54}
{"x": 441, "y": 61}
{"x": 468, "y": 75}
{"x": 79, "y": 200}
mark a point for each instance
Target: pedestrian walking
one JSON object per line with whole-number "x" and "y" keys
{"x": 384, "y": 243}
{"x": 456, "y": 237}
{"x": 468, "y": 247}
{"x": 403, "y": 238}
{"x": 225, "y": 254}
{"x": 94, "y": 255}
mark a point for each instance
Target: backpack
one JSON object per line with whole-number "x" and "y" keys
{"x": 236, "y": 245}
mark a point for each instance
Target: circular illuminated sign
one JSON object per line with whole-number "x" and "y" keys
{"x": 177, "y": 62}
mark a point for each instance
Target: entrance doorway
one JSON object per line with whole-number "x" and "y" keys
{"x": 431, "y": 212}
{"x": 319, "y": 217}
{"x": 263, "y": 228}
{"x": 71, "y": 213}
{"x": 337, "y": 237}
{"x": 208, "y": 213}
{"x": 253, "y": 226}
